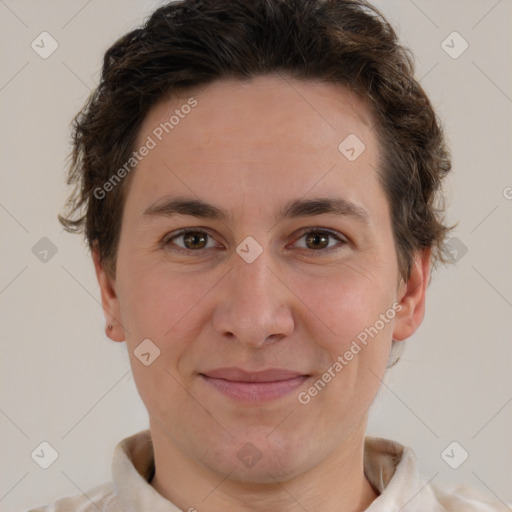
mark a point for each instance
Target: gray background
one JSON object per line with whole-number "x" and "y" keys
{"x": 64, "y": 382}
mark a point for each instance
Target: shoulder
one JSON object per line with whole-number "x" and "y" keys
{"x": 393, "y": 470}
{"x": 102, "y": 497}
{"x": 456, "y": 497}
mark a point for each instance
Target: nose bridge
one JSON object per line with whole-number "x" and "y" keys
{"x": 253, "y": 281}
{"x": 256, "y": 306}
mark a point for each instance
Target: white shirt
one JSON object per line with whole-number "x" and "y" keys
{"x": 388, "y": 465}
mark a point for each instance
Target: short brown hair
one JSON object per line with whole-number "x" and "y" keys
{"x": 192, "y": 42}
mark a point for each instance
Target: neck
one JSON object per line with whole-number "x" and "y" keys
{"x": 337, "y": 483}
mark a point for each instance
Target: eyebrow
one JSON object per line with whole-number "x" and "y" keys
{"x": 292, "y": 209}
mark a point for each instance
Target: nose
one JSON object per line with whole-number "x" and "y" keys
{"x": 256, "y": 306}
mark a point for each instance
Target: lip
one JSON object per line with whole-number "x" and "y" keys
{"x": 257, "y": 386}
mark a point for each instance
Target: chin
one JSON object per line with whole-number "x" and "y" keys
{"x": 260, "y": 459}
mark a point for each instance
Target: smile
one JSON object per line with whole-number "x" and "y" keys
{"x": 254, "y": 387}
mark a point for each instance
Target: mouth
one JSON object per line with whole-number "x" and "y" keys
{"x": 258, "y": 386}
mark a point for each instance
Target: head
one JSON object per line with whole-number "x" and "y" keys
{"x": 295, "y": 123}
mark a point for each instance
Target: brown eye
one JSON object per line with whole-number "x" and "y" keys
{"x": 318, "y": 240}
{"x": 189, "y": 240}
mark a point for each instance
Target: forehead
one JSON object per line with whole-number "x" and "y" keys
{"x": 272, "y": 111}
{"x": 272, "y": 135}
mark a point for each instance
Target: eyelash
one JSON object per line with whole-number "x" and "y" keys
{"x": 167, "y": 240}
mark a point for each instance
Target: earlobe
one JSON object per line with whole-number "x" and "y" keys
{"x": 109, "y": 300}
{"x": 412, "y": 297}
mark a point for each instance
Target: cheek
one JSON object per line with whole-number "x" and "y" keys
{"x": 156, "y": 301}
{"x": 356, "y": 306}
{"x": 346, "y": 302}
{"x": 162, "y": 308}
{"x": 169, "y": 309}
{"x": 355, "y": 352}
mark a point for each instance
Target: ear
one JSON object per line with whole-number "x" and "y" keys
{"x": 411, "y": 297}
{"x": 109, "y": 300}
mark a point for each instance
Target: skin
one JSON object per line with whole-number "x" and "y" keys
{"x": 249, "y": 148}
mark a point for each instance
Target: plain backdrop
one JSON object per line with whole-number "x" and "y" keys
{"x": 64, "y": 382}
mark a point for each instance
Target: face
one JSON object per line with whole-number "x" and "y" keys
{"x": 256, "y": 253}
